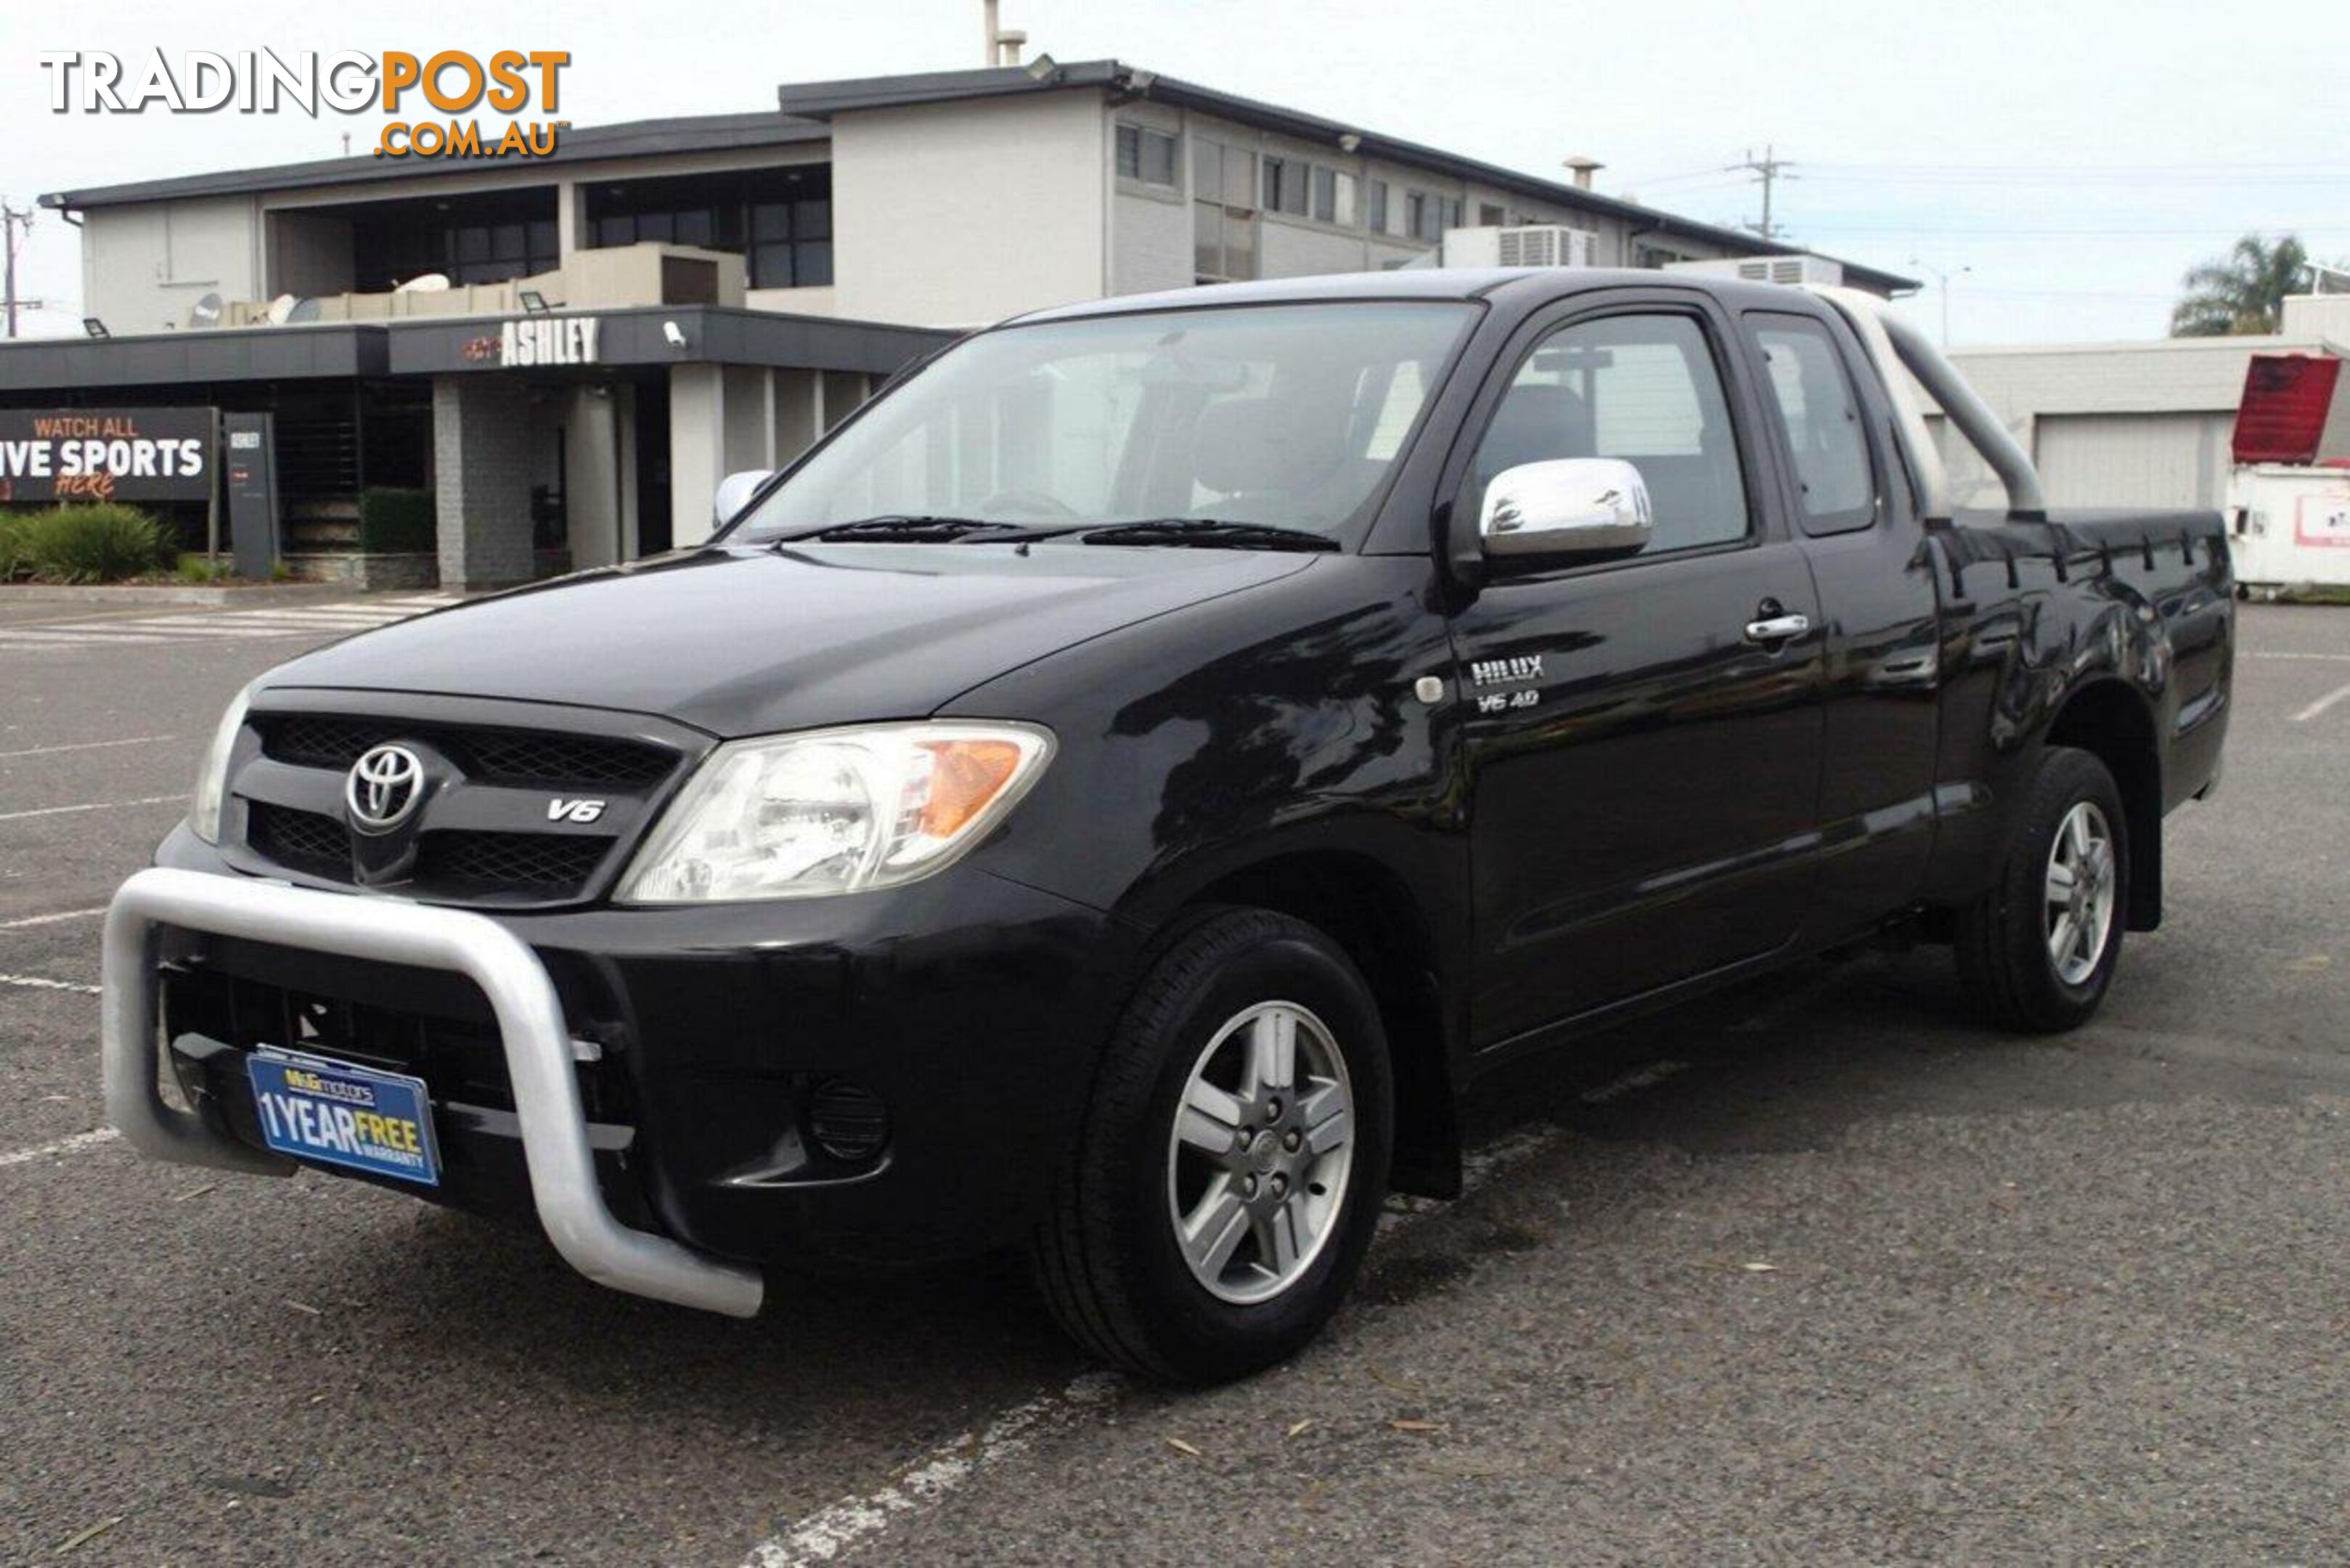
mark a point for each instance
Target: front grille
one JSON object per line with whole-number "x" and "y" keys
{"x": 537, "y": 861}
{"x": 513, "y": 757}
{"x": 304, "y": 840}
{"x": 489, "y": 854}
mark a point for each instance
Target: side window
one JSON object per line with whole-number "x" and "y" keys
{"x": 1819, "y": 414}
{"x": 1641, "y": 388}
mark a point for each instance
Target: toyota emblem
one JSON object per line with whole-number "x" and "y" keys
{"x": 384, "y": 789}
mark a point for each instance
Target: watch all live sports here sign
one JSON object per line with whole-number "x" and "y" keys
{"x": 106, "y": 455}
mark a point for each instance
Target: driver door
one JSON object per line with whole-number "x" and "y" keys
{"x": 1644, "y": 771}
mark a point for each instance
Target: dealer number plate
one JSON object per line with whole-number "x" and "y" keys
{"x": 336, "y": 1114}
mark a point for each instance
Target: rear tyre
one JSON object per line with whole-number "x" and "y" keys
{"x": 1228, "y": 1176}
{"x": 2037, "y": 952}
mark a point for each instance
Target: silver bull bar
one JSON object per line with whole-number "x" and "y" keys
{"x": 530, "y": 1025}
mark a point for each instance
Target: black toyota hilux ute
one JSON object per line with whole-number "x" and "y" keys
{"x": 1114, "y": 794}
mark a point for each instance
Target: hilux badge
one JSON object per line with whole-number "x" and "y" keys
{"x": 384, "y": 788}
{"x": 1505, "y": 671}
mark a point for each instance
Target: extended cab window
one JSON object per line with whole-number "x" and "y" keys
{"x": 1819, "y": 414}
{"x": 1641, "y": 387}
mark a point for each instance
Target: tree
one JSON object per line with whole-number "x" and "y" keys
{"x": 2241, "y": 292}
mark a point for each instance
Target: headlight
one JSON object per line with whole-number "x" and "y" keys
{"x": 212, "y": 777}
{"x": 834, "y": 811}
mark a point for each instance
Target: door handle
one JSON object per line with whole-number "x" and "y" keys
{"x": 1777, "y": 627}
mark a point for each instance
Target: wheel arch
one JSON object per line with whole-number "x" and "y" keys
{"x": 2111, "y": 720}
{"x": 1371, "y": 912}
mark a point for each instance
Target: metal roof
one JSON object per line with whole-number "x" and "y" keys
{"x": 822, "y": 100}
{"x": 593, "y": 143}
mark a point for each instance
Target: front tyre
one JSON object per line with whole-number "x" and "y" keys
{"x": 1228, "y": 1176}
{"x": 2037, "y": 952}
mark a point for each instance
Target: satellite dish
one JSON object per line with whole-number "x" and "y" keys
{"x": 425, "y": 283}
{"x": 305, "y": 310}
{"x": 207, "y": 311}
{"x": 280, "y": 309}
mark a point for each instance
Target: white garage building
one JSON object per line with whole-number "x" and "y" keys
{"x": 2128, "y": 424}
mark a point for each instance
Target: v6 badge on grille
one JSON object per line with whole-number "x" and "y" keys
{"x": 561, "y": 809}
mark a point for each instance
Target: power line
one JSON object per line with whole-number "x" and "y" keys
{"x": 2325, "y": 171}
{"x": 2021, "y": 180}
{"x": 2320, "y": 165}
{"x": 2228, "y": 231}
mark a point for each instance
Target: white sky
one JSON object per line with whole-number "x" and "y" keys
{"x": 2074, "y": 157}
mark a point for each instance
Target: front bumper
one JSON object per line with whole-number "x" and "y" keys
{"x": 970, "y": 1006}
{"x": 540, "y": 1058}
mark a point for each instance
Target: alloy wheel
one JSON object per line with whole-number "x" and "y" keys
{"x": 2080, "y": 892}
{"x": 1261, "y": 1150}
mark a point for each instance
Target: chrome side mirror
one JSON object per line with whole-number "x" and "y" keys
{"x": 1566, "y": 506}
{"x": 734, "y": 492}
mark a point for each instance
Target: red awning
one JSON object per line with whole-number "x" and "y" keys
{"x": 2281, "y": 416}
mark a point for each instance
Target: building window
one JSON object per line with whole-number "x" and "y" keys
{"x": 779, "y": 220}
{"x": 489, "y": 239}
{"x": 1333, "y": 196}
{"x": 1145, "y": 155}
{"x": 791, "y": 244}
{"x": 1285, "y": 180}
{"x": 1223, "y": 211}
{"x": 1489, "y": 216}
{"x": 1426, "y": 216}
{"x": 1379, "y": 207}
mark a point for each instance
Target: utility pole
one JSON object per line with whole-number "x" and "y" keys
{"x": 18, "y": 223}
{"x": 1768, "y": 170}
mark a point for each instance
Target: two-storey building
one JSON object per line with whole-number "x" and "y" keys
{"x": 569, "y": 352}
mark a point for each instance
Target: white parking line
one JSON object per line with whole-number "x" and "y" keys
{"x": 853, "y": 1522}
{"x": 86, "y": 746}
{"x": 827, "y": 1533}
{"x": 1646, "y": 1077}
{"x": 2321, "y": 705}
{"x": 19, "y": 924}
{"x": 97, "y": 1137}
{"x": 87, "y": 637}
{"x": 344, "y": 616}
{"x": 94, "y": 805}
{"x": 42, "y": 982}
{"x": 147, "y": 628}
{"x": 2321, "y": 658}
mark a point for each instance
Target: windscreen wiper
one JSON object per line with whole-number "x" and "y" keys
{"x": 913, "y": 528}
{"x": 1210, "y": 534}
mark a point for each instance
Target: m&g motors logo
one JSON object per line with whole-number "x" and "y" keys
{"x": 260, "y": 81}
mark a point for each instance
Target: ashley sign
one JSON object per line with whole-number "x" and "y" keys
{"x": 106, "y": 455}
{"x": 549, "y": 340}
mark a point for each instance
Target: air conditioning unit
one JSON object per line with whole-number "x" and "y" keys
{"x": 1534, "y": 244}
{"x": 1793, "y": 271}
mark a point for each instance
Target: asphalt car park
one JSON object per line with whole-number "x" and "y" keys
{"x": 1818, "y": 1269}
